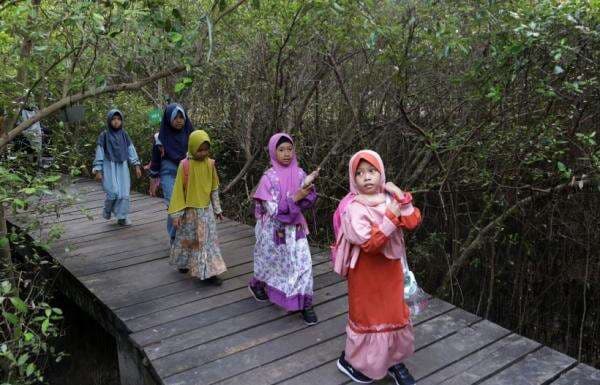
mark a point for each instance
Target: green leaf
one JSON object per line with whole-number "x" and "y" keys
{"x": 52, "y": 178}
{"x": 558, "y": 70}
{"x": 45, "y": 326}
{"x": 5, "y": 285}
{"x": 18, "y": 304}
{"x": 3, "y": 241}
{"x": 176, "y": 37}
{"x": 10, "y": 317}
{"x": 98, "y": 18}
{"x": 561, "y": 166}
{"x": 29, "y": 190}
{"x": 22, "y": 359}
{"x": 30, "y": 369}
{"x": 179, "y": 87}
{"x": 256, "y": 4}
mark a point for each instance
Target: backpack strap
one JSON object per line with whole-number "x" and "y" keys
{"x": 185, "y": 164}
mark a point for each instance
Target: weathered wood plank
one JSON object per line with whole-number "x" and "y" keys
{"x": 579, "y": 375}
{"x": 321, "y": 357}
{"x": 240, "y": 321}
{"x": 538, "y": 368}
{"x": 484, "y": 363}
{"x": 265, "y": 348}
{"x": 183, "y": 305}
{"x": 235, "y": 259}
{"x": 153, "y": 294}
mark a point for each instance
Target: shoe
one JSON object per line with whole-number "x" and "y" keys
{"x": 258, "y": 293}
{"x": 183, "y": 270}
{"x": 401, "y": 375}
{"x": 214, "y": 280}
{"x": 124, "y": 222}
{"x": 309, "y": 316}
{"x": 106, "y": 215}
{"x": 356, "y": 376}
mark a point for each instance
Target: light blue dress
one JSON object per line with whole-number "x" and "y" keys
{"x": 116, "y": 182}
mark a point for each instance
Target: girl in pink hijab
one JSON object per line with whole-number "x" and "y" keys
{"x": 369, "y": 252}
{"x": 282, "y": 260}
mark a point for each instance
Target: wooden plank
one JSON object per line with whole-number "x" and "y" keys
{"x": 449, "y": 350}
{"x": 117, "y": 283}
{"x": 538, "y": 368}
{"x": 235, "y": 259}
{"x": 259, "y": 346}
{"x": 580, "y": 375}
{"x": 101, "y": 266}
{"x": 231, "y": 356}
{"x": 251, "y": 316}
{"x": 154, "y": 294}
{"x": 244, "y": 303}
{"x": 321, "y": 356}
{"x": 142, "y": 308}
{"x": 158, "y": 312}
{"x": 484, "y": 363}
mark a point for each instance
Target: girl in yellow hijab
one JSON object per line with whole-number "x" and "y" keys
{"x": 193, "y": 207}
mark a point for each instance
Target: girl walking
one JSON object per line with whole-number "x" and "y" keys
{"x": 114, "y": 151}
{"x": 169, "y": 149}
{"x": 193, "y": 207}
{"x": 282, "y": 260}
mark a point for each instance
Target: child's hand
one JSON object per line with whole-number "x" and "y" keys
{"x": 391, "y": 188}
{"x": 311, "y": 177}
{"x": 220, "y": 216}
{"x": 394, "y": 207}
{"x": 154, "y": 185}
{"x": 303, "y": 193}
{"x": 138, "y": 172}
{"x": 98, "y": 176}
{"x": 176, "y": 222}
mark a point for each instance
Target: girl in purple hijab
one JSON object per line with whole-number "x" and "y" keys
{"x": 282, "y": 260}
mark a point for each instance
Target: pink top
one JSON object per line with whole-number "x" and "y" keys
{"x": 365, "y": 216}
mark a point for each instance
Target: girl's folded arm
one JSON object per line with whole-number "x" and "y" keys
{"x": 359, "y": 230}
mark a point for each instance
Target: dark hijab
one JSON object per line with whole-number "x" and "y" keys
{"x": 174, "y": 142}
{"x": 115, "y": 142}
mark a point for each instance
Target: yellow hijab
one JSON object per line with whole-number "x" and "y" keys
{"x": 202, "y": 178}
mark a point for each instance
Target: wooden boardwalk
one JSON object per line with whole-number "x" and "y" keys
{"x": 174, "y": 330}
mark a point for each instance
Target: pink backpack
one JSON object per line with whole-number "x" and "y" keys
{"x": 185, "y": 163}
{"x": 337, "y": 223}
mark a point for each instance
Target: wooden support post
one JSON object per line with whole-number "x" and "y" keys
{"x": 132, "y": 369}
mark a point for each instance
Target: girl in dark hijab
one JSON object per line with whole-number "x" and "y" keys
{"x": 169, "y": 149}
{"x": 114, "y": 151}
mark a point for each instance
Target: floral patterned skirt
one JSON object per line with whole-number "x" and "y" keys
{"x": 196, "y": 246}
{"x": 283, "y": 267}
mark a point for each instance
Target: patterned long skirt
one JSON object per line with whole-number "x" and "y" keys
{"x": 283, "y": 266}
{"x": 196, "y": 246}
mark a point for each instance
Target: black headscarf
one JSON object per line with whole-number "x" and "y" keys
{"x": 115, "y": 142}
{"x": 174, "y": 142}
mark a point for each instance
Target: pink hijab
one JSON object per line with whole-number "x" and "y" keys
{"x": 359, "y": 214}
{"x": 288, "y": 178}
{"x": 280, "y": 182}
